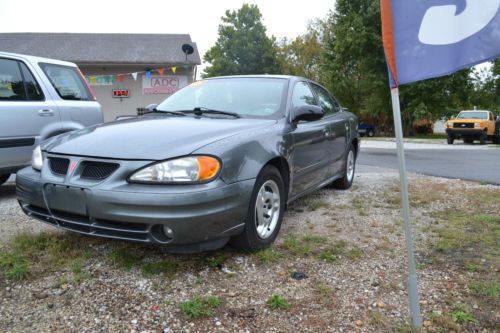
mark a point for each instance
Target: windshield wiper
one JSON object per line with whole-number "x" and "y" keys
{"x": 177, "y": 113}
{"x": 199, "y": 111}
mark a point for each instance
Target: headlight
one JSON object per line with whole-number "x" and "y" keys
{"x": 37, "y": 158}
{"x": 192, "y": 169}
{"x": 448, "y": 125}
{"x": 477, "y": 125}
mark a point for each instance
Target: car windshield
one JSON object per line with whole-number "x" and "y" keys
{"x": 473, "y": 115}
{"x": 247, "y": 97}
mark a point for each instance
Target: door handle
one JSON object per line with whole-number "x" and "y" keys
{"x": 45, "y": 112}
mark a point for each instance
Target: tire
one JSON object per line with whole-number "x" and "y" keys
{"x": 269, "y": 191}
{"x": 348, "y": 174}
{"x": 496, "y": 139}
{"x": 451, "y": 139}
{"x": 483, "y": 138}
{"x": 370, "y": 133}
{"x": 3, "y": 178}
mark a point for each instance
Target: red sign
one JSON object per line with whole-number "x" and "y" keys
{"x": 121, "y": 93}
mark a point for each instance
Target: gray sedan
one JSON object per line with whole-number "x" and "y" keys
{"x": 217, "y": 161}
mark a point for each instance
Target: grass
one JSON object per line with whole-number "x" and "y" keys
{"x": 486, "y": 288}
{"x": 316, "y": 204}
{"x": 278, "y": 302}
{"x": 168, "y": 268}
{"x": 200, "y": 306}
{"x": 216, "y": 261}
{"x": 124, "y": 259}
{"x": 268, "y": 255}
{"x": 462, "y": 316}
{"x": 325, "y": 293}
{"x": 14, "y": 266}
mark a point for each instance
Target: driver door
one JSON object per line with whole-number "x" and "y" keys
{"x": 310, "y": 149}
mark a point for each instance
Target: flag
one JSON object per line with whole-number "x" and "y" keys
{"x": 134, "y": 75}
{"x": 161, "y": 71}
{"x": 173, "y": 68}
{"x": 120, "y": 77}
{"x": 424, "y": 39}
{"x": 148, "y": 73}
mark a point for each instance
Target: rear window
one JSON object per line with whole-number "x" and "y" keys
{"x": 17, "y": 83}
{"x": 67, "y": 82}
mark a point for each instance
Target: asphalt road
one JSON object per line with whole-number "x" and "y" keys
{"x": 481, "y": 165}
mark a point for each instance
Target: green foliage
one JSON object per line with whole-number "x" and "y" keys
{"x": 278, "y": 302}
{"x": 14, "y": 266}
{"x": 200, "y": 306}
{"x": 159, "y": 267}
{"x": 486, "y": 288}
{"x": 242, "y": 46}
{"x": 124, "y": 259}
{"x": 461, "y": 316}
{"x": 268, "y": 255}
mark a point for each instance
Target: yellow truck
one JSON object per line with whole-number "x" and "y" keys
{"x": 473, "y": 125}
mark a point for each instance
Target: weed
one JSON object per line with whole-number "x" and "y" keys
{"x": 216, "y": 261}
{"x": 200, "y": 306}
{"x": 325, "y": 293}
{"x": 293, "y": 245}
{"x": 315, "y": 239}
{"x": 316, "y": 204}
{"x": 278, "y": 302}
{"x": 354, "y": 253}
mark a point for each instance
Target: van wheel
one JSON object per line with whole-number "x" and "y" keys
{"x": 3, "y": 178}
{"x": 371, "y": 133}
{"x": 265, "y": 213}
{"x": 483, "y": 138}
{"x": 348, "y": 176}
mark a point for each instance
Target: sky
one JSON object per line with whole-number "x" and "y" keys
{"x": 198, "y": 18}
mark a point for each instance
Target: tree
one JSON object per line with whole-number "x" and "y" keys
{"x": 242, "y": 46}
{"x": 301, "y": 55}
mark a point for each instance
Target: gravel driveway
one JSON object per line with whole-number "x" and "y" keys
{"x": 349, "y": 244}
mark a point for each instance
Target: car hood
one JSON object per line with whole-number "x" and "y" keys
{"x": 150, "y": 137}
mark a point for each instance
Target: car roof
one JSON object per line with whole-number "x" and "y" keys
{"x": 474, "y": 111}
{"x": 34, "y": 59}
{"x": 266, "y": 76}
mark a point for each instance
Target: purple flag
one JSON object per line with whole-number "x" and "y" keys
{"x": 431, "y": 38}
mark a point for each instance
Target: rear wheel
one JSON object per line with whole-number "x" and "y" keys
{"x": 451, "y": 139}
{"x": 265, "y": 212}
{"x": 483, "y": 138}
{"x": 348, "y": 176}
{"x": 3, "y": 178}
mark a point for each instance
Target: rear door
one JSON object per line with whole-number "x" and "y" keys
{"x": 76, "y": 101}
{"x": 25, "y": 109}
{"x": 338, "y": 128}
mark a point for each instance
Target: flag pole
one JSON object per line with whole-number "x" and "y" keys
{"x": 416, "y": 319}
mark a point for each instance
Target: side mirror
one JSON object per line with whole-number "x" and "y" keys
{"x": 307, "y": 113}
{"x": 150, "y": 108}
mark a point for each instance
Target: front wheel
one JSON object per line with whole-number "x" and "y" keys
{"x": 483, "y": 138}
{"x": 371, "y": 133}
{"x": 348, "y": 175}
{"x": 3, "y": 178}
{"x": 265, "y": 213}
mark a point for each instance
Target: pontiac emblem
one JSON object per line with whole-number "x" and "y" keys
{"x": 72, "y": 167}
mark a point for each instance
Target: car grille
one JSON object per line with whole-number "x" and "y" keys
{"x": 463, "y": 125}
{"x": 59, "y": 166}
{"x": 138, "y": 232}
{"x": 97, "y": 170}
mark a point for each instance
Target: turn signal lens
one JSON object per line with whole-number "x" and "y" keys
{"x": 208, "y": 167}
{"x": 191, "y": 169}
{"x": 477, "y": 125}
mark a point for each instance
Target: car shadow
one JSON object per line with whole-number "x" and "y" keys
{"x": 7, "y": 191}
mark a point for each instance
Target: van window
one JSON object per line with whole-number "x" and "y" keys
{"x": 67, "y": 82}
{"x": 33, "y": 90}
{"x": 11, "y": 81}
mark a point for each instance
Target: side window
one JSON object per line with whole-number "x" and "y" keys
{"x": 67, "y": 82}
{"x": 327, "y": 103}
{"x": 302, "y": 95}
{"x": 11, "y": 81}
{"x": 32, "y": 88}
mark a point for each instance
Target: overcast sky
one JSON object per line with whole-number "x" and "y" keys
{"x": 199, "y": 18}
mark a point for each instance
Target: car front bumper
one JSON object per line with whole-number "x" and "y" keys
{"x": 136, "y": 212}
{"x": 464, "y": 132}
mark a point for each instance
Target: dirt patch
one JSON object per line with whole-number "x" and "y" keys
{"x": 349, "y": 245}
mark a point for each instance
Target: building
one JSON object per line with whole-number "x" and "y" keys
{"x": 125, "y": 71}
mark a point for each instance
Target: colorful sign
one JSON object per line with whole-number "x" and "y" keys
{"x": 162, "y": 84}
{"x": 100, "y": 80}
